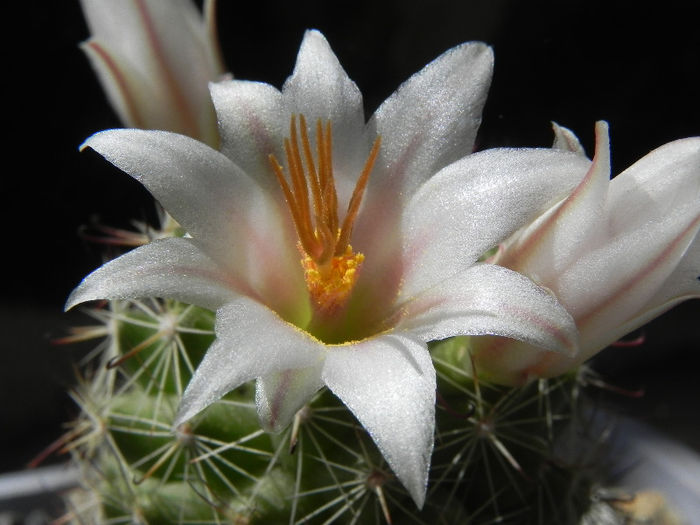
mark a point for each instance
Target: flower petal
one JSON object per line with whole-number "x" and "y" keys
{"x": 654, "y": 186}
{"x": 124, "y": 26}
{"x": 166, "y": 45}
{"x": 608, "y": 286}
{"x": 224, "y": 210}
{"x": 475, "y": 203}
{"x": 201, "y": 188}
{"x": 685, "y": 279}
{"x": 488, "y": 299}
{"x": 251, "y": 341}
{"x": 173, "y": 268}
{"x": 279, "y": 396}
{"x": 681, "y": 285}
{"x": 319, "y": 88}
{"x": 389, "y": 385}
{"x": 124, "y": 86}
{"x": 432, "y": 119}
{"x": 566, "y": 231}
{"x": 129, "y": 26}
{"x": 513, "y": 362}
{"x": 252, "y": 126}
{"x": 566, "y": 140}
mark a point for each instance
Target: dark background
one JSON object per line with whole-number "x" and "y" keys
{"x": 572, "y": 62}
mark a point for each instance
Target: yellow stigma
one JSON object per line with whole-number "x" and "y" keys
{"x": 330, "y": 266}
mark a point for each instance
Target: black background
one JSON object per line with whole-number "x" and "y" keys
{"x": 572, "y": 62}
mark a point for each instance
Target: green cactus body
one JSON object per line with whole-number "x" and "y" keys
{"x": 494, "y": 460}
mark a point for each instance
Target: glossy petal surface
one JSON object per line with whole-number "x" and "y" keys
{"x": 224, "y": 210}
{"x": 454, "y": 218}
{"x": 252, "y": 126}
{"x": 489, "y": 299}
{"x": 251, "y": 342}
{"x": 432, "y": 119}
{"x": 389, "y": 384}
{"x": 319, "y": 88}
{"x": 170, "y": 268}
{"x": 279, "y": 396}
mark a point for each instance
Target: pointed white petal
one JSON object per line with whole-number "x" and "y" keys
{"x": 224, "y": 210}
{"x": 560, "y": 237}
{"x": 319, "y": 88}
{"x": 252, "y": 126}
{"x": 165, "y": 44}
{"x": 566, "y": 140}
{"x": 475, "y": 203}
{"x": 120, "y": 23}
{"x": 488, "y": 299}
{"x": 124, "y": 86}
{"x": 173, "y": 268}
{"x": 279, "y": 396}
{"x": 251, "y": 341}
{"x": 201, "y": 188}
{"x": 433, "y": 118}
{"x": 389, "y": 384}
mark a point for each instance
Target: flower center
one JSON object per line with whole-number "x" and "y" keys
{"x": 330, "y": 265}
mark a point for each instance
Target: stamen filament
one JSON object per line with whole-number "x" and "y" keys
{"x": 356, "y": 199}
{"x": 330, "y": 266}
{"x": 313, "y": 177}
{"x": 330, "y": 182}
{"x": 293, "y": 207}
{"x": 301, "y": 191}
{"x": 296, "y": 170}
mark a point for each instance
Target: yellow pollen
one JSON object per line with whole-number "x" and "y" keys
{"x": 330, "y": 286}
{"x": 330, "y": 266}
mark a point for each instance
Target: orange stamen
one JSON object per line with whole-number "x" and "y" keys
{"x": 356, "y": 200}
{"x": 330, "y": 266}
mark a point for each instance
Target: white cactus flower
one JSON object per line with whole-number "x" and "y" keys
{"x": 616, "y": 253}
{"x": 399, "y": 269}
{"x": 155, "y": 59}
